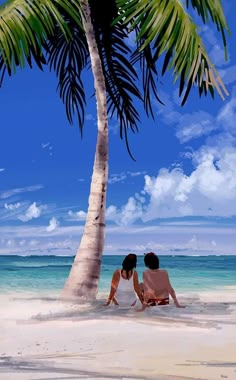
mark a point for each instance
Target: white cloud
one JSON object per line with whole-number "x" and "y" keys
{"x": 136, "y": 174}
{"x": 198, "y": 124}
{"x": 227, "y": 115}
{"x": 77, "y": 216}
{"x": 2, "y": 170}
{"x": 33, "y": 243}
{"x": 53, "y": 224}
{"x": 114, "y": 128}
{"x": 186, "y": 223}
{"x": 117, "y": 178}
{"x": 194, "y": 125}
{"x": 228, "y": 74}
{"x": 45, "y": 145}
{"x": 10, "y": 211}
{"x": 114, "y": 178}
{"x": 188, "y": 125}
{"x": 121, "y": 240}
{"x": 111, "y": 213}
{"x": 89, "y": 117}
{"x": 217, "y": 55}
{"x": 21, "y": 210}
{"x": 33, "y": 240}
{"x": 216, "y": 51}
{"x": 32, "y": 212}
{"x": 12, "y": 206}
{"x": 209, "y": 190}
{"x": 9, "y": 193}
{"x": 128, "y": 214}
{"x": 10, "y": 243}
{"x": 22, "y": 242}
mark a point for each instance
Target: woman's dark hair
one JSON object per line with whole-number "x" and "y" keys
{"x": 129, "y": 263}
{"x": 151, "y": 260}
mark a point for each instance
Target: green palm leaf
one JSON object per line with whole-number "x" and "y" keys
{"x": 169, "y": 30}
{"x": 25, "y": 25}
{"x": 29, "y": 28}
{"x": 212, "y": 9}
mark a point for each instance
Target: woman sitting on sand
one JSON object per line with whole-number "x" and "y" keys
{"x": 156, "y": 285}
{"x": 125, "y": 284}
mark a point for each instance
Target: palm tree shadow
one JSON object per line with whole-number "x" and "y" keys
{"x": 20, "y": 365}
{"x": 213, "y": 363}
{"x": 85, "y": 311}
{"x": 196, "y": 313}
{"x": 41, "y": 365}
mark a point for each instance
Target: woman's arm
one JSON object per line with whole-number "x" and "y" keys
{"x": 146, "y": 294}
{"x": 172, "y": 292}
{"x": 114, "y": 283}
{"x": 136, "y": 286}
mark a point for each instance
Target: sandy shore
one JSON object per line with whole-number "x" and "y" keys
{"x": 41, "y": 338}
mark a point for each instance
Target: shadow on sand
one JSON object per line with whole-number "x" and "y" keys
{"x": 41, "y": 366}
{"x": 197, "y": 313}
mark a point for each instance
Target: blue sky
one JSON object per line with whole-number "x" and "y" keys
{"x": 178, "y": 197}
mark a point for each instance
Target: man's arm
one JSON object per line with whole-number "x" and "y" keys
{"x": 172, "y": 292}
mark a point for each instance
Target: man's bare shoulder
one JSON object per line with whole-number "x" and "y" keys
{"x": 163, "y": 272}
{"x": 155, "y": 271}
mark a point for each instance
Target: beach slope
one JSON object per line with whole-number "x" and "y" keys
{"x": 42, "y": 338}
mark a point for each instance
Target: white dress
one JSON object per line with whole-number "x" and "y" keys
{"x": 125, "y": 293}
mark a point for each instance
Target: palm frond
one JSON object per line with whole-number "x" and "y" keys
{"x": 120, "y": 75}
{"x": 169, "y": 30}
{"x": 149, "y": 74}
{"x": 25, "y": 25}
{"x": 68, "y": 57}
{"x": 212, "y": 9}
{"x": 2, "y": 70}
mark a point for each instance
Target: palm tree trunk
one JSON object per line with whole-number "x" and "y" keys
{"x": 85, "y": 272}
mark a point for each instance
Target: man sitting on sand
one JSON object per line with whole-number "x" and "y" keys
{"x": 156, "y": 286}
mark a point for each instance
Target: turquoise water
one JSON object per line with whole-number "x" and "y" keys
{"x": 48, "y": 273}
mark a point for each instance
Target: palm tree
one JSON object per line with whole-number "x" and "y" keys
{"x": 69, "y": 35}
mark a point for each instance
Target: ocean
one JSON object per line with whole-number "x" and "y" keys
{"x": 40, "y": 274}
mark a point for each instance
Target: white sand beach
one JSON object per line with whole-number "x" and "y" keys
{"x": 41, "y": 338}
